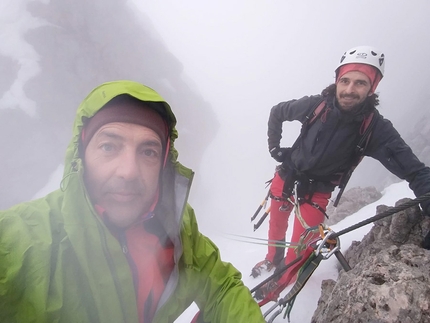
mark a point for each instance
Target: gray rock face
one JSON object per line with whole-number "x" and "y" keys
{"x": 80, "y": 44}
{"x": 390, "y": 276}
{"x": 352, "y": 201}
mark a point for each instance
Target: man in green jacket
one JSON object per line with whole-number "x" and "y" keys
{"x": 118, "y": 242}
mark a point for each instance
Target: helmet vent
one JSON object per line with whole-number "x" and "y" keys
{"x": 381, "y": 60}
{"x": 363, "y": 55}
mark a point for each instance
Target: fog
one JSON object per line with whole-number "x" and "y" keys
{"x": 246, "y": 56}
{"x": 221, "y": 65}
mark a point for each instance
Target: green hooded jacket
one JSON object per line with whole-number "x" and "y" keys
{"x": 60, "y": 263}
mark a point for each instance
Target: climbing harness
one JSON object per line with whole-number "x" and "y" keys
{"x": 293, "y": 201}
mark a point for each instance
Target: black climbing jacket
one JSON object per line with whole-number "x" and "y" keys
{"x": 324, "y": 151}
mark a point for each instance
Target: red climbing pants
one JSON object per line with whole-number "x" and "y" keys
{"x": 280, "y": 211}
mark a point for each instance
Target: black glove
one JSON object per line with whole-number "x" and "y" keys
{"x": 278, "y": 153}
{"x": 426, "y": 242}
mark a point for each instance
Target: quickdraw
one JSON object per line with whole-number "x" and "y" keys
{"x": 263, "y": 204}
{"x": 312, "y": 253}
{"x": 296, "y": 203}
{"x": 267, "y": 211}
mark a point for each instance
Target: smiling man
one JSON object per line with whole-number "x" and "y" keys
{"x": 340, "y": 126}
{"x": 118, "y": 242}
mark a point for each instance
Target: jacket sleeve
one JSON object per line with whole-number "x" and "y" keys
{"x": 288, "y": 111}
{"x": 23, "y": 265}
{"x": 387, "y": 146}
{"x": 221, "y": 295}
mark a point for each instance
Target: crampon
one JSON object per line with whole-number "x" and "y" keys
{"x": 265, "y": 290}
{"x": 264, "y": 265}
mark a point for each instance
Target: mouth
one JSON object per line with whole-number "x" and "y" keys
{"x": 349, "y": 98}
{"x": 123, "y": 197}
{"x": 348, "y": 101}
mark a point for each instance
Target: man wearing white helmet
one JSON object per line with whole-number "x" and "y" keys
{"x": 336, "y": 122}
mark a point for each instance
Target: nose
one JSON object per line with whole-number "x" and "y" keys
{"x": 127, "y": 165}
{"x": 350, "y": 88}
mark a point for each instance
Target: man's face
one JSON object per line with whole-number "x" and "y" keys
{"x": 352, "y": 89}
{"x": 122, "y": 167}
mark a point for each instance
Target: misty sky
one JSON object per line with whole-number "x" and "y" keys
{"x": 246, "y": 56}
{"x": 252, "y": 54}
{"x": 243, "y": 57}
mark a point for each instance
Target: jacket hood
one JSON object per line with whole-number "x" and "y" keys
{"x": 102, "y": 95}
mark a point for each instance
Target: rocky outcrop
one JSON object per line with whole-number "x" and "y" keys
{"x": 390, "y": 276}
{"x": 352, "y": 201}
{"x": 67, "y": 49}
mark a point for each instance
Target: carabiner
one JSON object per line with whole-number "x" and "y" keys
{"x": 323, "y": 244}
{"x": 275, "y": 314}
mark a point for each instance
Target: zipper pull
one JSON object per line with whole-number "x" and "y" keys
{"x": 123, "y": 242}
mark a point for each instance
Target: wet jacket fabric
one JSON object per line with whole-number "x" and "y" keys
{"x": 59, "y": 262}
{"x": 328, "y": 144}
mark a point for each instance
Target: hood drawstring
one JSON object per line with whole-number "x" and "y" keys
{"x": 64, "y": 181}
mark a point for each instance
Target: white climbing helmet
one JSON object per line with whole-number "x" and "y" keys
{"x": 363, "y": 55}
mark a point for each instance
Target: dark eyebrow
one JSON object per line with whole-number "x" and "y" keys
{"x": 110, "y": 134}
{"x": 115, "y": 136}
{"x": 151, "y": 143}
